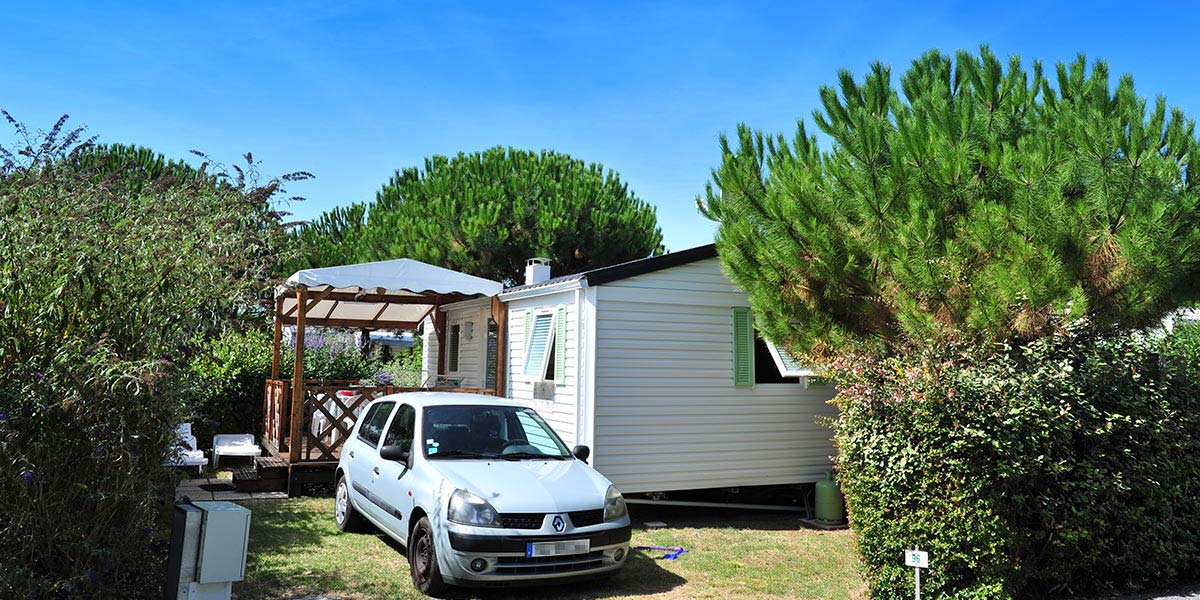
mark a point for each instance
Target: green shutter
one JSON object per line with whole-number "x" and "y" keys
{"x": 560, "y": 347}
{"x": 743, "y": 347}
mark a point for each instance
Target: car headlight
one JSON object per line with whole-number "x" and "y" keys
{"x": 468, "y": 509}
{"x": 614, "y": 505}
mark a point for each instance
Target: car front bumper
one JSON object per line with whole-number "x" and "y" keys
{"x": 508, "y": 562}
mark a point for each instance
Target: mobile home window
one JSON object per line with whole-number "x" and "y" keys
{"x": 455, "y": 332}
{"x": 493, "y": 339}
{"x": 756, "y": 360}
{"x": 539, "y": 341}
{"x": 766, "y": 368}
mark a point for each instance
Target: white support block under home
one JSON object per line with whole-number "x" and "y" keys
{"x": 643, "y": 363}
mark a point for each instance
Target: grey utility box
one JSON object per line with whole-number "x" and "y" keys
{"x": 208, "y": 550}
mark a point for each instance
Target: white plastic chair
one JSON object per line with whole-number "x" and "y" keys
{"x": 234, "y": 444}
{"x": 186, "y": 453}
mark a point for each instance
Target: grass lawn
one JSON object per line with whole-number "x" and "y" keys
{"x": 296, "y": 551}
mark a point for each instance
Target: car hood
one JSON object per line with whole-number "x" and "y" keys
{"x": 528, "y": 485}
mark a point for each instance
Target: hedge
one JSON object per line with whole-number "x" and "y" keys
{"x": 101, "y": 291}
{"x": 1071, "y": 466}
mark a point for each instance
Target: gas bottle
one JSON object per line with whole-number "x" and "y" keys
{"x": 830, "y": 509}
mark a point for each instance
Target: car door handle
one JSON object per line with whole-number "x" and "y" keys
{"x": 375, "y": 471}
{"x": 351, "y": 454}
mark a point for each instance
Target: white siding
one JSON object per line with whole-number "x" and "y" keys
{"x": 472, "y": 353}
{"x": 429, "y": 347}
{"x": 559, "y": 412}
{"x": 667, "y": 415}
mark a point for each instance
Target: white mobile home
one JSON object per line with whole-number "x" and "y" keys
{"x": 654, "y": 364}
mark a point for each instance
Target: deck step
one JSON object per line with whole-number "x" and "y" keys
{"x": 310, "y": 477}
{"x": 271, "y": 467}
{"x": 248, "y": 480}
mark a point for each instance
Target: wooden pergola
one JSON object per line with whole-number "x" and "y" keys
{"x": 398, "y": 294}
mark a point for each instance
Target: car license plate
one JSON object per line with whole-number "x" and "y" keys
{"x": 563, "y": 548}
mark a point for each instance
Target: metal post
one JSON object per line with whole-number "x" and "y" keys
{"x": 917, "y": 575}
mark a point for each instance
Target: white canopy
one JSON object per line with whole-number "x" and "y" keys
{"x": 390, "y": 294}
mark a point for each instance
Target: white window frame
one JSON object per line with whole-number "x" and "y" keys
{"x": 540, "y": 373}
{"x": 782, "y": 365}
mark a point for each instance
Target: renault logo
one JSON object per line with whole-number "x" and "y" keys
{"x": 559, "y": 524}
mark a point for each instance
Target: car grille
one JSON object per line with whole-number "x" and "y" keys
{"x": 586, "y": 518}
{"x": 521, "y": 565}
{"x": 522, "y": 520}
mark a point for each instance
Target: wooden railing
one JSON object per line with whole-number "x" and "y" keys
{"x": 326, "y": 418}
{"x": 277, "y": 398}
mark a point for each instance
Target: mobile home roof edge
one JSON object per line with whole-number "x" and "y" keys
{"x": 616, "y": 272}
{"x": 650, "y": 264}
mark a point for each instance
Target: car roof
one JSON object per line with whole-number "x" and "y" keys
{"x": 419, "y": 399}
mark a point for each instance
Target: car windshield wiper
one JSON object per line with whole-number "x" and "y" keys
{"x": 459, "y": 454}
{"x": 538, "y": 455}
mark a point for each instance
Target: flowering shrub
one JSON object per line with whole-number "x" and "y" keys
{"x": 1068, "y": 466}
{"x": 332, "y": 354}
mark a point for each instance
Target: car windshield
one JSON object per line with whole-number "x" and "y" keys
{"x": 479, "y": 431}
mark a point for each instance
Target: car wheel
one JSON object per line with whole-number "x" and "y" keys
{"x": 344, "y": 515}
{"x": 422, "y": 560}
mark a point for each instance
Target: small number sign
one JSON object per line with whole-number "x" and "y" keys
{"x": 916, "y": 558}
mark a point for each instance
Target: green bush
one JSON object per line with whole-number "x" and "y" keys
{"x": 230, "y": 371}
{"x": 404, "y": 369}
{"x": 102, "y": 289}
{"x": 1070, "y": 466}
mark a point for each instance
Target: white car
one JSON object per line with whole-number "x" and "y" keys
{"x": 480, "y": 490}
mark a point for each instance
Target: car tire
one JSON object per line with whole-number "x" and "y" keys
{"x": 344, "y": 516}
{"x": 422, "y": 560}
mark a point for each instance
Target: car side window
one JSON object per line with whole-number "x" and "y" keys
{"x": 403, "y": 428}
{"x": 372, "y": 424}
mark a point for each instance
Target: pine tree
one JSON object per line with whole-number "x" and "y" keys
{"x": 978, "y": 202}
{"x": 486, "y": 213}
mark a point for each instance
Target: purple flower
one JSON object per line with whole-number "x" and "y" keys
{"x": 4, "y": 416}
{"x": 40, "y": 377}
{"x": 384, "y": 378}
{"x": 27, "y": 476}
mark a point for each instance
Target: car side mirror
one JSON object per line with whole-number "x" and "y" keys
{"x": 581, "y": 452}
{"x": 395, "y": 452}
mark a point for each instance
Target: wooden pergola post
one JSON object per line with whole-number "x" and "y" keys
{"x": 278, "y": 339}
{"x": 294, "y": 446}
{"x": 439, "y": 329}
{"x": 500, "y": 316}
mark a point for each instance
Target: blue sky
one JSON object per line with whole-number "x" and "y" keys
{"x": 354, "y": 91}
